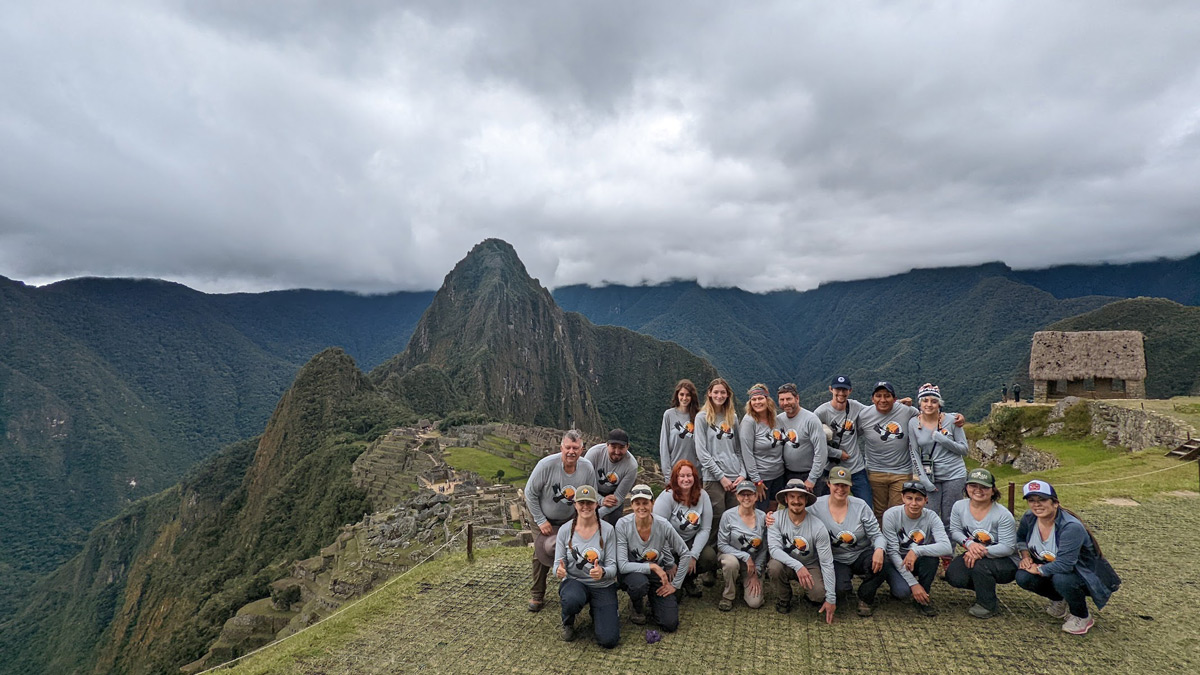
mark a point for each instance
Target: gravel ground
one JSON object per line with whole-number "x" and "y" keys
{"x": 471, "y": 617}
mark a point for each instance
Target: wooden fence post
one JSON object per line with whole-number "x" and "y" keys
{"x": 1012, "y": 495}
{"x": 470, "y": 542}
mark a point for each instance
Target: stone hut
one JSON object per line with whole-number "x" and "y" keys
{"x": 1088, "y": 364}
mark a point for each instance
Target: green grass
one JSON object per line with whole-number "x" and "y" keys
{"x": 483, "y": 463}
{"x": 1186, "y": 408}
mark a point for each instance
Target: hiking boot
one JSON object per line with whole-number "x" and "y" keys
{"x": 637, "y": 613}
{"x": 926, "y": 609}
{"x": 1077, "y": 626}
{"x": 708, "y": 579}
{"x": 725, "y": 605}
{"x": 981, "y": 612}
{"x": 864, "y": 608}
{"x": 689, "y": 588}
{"x": 567, "y": 632}
{"x": 1058, "y": 609}
{"x": 783, "y": 606}
{"x": 535, "y": 605}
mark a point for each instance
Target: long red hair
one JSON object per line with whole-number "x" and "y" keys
{"x": 692, "y": 496}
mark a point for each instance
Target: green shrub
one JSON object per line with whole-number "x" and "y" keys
{"x": 1077, "y": 421}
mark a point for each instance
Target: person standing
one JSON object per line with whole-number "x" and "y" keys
{"x": 616, "y": 472}
{"x": 676, "y": 439}
{"x": 585, "y": 560}
{"x": 885, "y": 446}
{"x": 937, "y": 448}
{"x": 741, "y": 541}
{"x": 803, "y": 439}
{"x": 916, "y": 540}
{"x": 722, "y": 462}
{"x": 857, "y": 543}
{"x": 800, "y": 552}
{"x": 988, "y": 534}
{"x": 1017, "y": 393}
{"x": 550, "y": 498}
{"x": 756, "y": 434}
{"x": 840, "y": 414}
{"x": 1061, "y": 560}
{"x": 652, "y": 561}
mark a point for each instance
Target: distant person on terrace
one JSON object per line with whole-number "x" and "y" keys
{"x": 550, "y": 497}
{"x": 616, "y": 472}
{"x": 677, "y": 439}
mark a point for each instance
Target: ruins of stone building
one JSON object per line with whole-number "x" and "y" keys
{"x": 1087, "y": 364}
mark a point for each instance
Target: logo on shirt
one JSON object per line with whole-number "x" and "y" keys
{"x": 979, "y": 536}
{"x": 648, "y": 556}
{"x": 606, "y": 479}
{"x": 1042, "y": 558}
{"x": 845, "y": 538}
{"x": 785, "y": 437}
{"x": 916, "y": 537}
{"x": 796, "y": 547}
{"x": 889, "y": 431}
{"x": 848, "y": 427}
{"x": 564, "y": 494}
{"x": 748, "y": 544}
{"x": 585, "y": 559}
{"x": 688, "y": 519}
{"x": 685, "y": 430}
{"x": 724, "y": 430}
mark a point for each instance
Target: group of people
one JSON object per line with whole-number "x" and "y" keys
{"x": 787, "y": 496}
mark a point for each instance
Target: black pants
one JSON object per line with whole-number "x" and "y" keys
{"x": 1068, "y": 586}
{"x": 845, "y": 573}
{"x": 602, "y": 602}
{"x": 924, "y": 570}
{"x": 773, "y": 486}
{"x": 982, "y": 578}
{"x": 664, "y": 611}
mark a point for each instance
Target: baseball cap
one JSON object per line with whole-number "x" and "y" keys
{"x": 585, "y": 493}
{"x": 1039, "y": 488}
{"x": 618, "y": 436}
{"x": 746, "y": 486}
{"x": 840, "y": 476}
{"x": 981, "y": 477}
{"x": 641, "y": 491}
{"x": 884, "y": 385}
{"x": 840, "y": 382}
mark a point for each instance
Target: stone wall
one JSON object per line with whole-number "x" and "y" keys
{"x": 1137, "y": 429}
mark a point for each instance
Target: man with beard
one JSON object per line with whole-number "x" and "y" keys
{"x": 803, "y": 439}
{"x": 550, "y": 497}
{"x": 840, "y": 413}
{"x": 616, "y": 472}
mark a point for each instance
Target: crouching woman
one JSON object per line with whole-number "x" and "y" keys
{"x": 585, "y": 559}
{"x": 652, "y": 561}
{"x": 1061, "y": 560}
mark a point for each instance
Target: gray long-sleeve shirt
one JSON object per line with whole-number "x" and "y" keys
{"x": 806, "y": 544}
{"x": 884, "y": 438}
{"x": 550, "y": 490}
{"x": 758, "y": 440}
{"x": 676, "y": 440}
{"x": 741, "y": 542}
{"x": 944, "y": 447}
{"x": 858, "y": 531}
{"x": 718, "y": 451}
{"x": 582, "y": 554}
{"x": 664, "y": 548}
{"x": 612, "y": 478}
{"x": 926, "y": 535}
{"x": 804, "y": 448}
{"x": 845, "y": 421}
{"x": 693, "y": 523}
{"x": 997, "y": 531}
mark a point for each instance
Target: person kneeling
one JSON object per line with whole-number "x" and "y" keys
{"x": 585, "y": 559}
{"x": 854, "y": 537}
{"x": 652, "y": 560}
{"x": 742, "y": 550}
{"x": 800, "y": 552}
{"x": 916, "y": 540}
{"x": 1061, "y": 560}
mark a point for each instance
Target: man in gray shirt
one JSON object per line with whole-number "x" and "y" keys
{"x": 616, "y": 472}
{"x": 550, "y": 497}
{"x": 840, "y": 414}
{"x": 803, "y": 439}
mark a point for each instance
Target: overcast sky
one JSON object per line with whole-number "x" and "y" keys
{"x": 236, "y": 145}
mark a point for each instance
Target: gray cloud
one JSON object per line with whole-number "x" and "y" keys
{"x": 368, "y": 146}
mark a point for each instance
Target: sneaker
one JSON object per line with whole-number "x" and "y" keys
{"x": 864, "y": 609}
{"x": 535, "y": 605}
{"x": 1077, "y": 626}
{"x": 708, "y": 579}
{"x": 926, "y": 610}
{"x": 783, "y": 606}
{"x": 567, "y": 632}
{"x": 981, "y": 612}
{"x": 1058, "y": 609}
{"x": 725, "y": 605}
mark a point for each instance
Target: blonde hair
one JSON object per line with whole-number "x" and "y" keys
{"x": 728, "y": 413}
{"x": 768, "y": 415}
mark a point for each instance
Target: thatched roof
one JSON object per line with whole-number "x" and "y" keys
{"x": 1078, "y": 355}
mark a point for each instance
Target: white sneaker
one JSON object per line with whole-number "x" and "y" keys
{"x": 1077, "y": 626}
{"x": 1058, "y": 609}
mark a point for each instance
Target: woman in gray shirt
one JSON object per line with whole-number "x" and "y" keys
{"x": 857, "y": 542}
{"x": 937, "y": 447}
{"x": 677, "y": 440}
{"x": 988, "y": 535}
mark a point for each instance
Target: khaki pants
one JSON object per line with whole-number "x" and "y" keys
{"x": 731, "y": 567}
{"x": 543, "y": 558}
{"x": 782, "y": 577}
{"x": 721, "y": 501}
{"x": 886, "y": 490}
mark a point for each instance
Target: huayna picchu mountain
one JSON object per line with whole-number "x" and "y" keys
{"x": 153, "y": 586}
{"x": 494, "y": 341}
